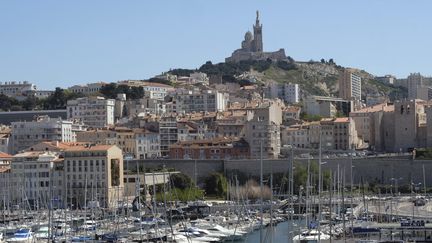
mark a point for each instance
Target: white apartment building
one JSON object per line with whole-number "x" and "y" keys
{"x": 86, "y": 89}
{"x": 96, "y": 170}
{"x": 147, "y": 144}
{"x": 200, "y": 101}
{"x": 145, "y": 106}
{"x": 26, "y": 134}
{"x": 34, "y": 175}
{"x": 288, "y": 92}
{"x": 16, "y": 89}
{"x": 92, "y": 111}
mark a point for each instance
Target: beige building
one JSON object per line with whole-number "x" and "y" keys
{"x": 350, "y": 85}
{"x": 123, "y": 137}
{"x": 94, "y": 174}
{"x": 368, "y": 123}
{"x": 263, "y": 130}
{"x": 232, "y": 123}
{"x": 345, "y": 134}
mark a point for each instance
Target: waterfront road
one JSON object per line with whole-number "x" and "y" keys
{"x": 403, "y": 208}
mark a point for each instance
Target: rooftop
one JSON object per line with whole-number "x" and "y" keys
{"x": 380, "y": 107}
{"x": 88, "y": 147}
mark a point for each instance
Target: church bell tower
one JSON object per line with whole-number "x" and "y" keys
{"x": 258, "y": 43}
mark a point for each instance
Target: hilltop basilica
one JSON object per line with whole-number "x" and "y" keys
{"x": 252, "y": 47}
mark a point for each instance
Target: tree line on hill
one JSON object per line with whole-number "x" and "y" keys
{"x": 58, "y": 99}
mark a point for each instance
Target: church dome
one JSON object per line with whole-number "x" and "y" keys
{"x": 248, "y": 36}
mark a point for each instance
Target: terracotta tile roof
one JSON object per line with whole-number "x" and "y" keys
{"x": 292, "y": 109}
{"x": 5, "y": 155}
{"x": 98, "y": 147}
{"x": 342, "y": 119}
{"x": 380, "y": 107}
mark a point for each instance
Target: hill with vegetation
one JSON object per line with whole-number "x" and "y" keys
{"x": 315, "y": 78}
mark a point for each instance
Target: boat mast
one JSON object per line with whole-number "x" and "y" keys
{"x": 261, "y": 192}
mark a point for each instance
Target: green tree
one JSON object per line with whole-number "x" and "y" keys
{"x": 181, "y": 181}
{"x": 216, "y": 185}
{"x": 109, "y": 90}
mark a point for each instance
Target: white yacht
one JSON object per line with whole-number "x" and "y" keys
{"x": 228, "y": 234}
{"x": 311, "y": 236}
{"x": 198, "y": 235}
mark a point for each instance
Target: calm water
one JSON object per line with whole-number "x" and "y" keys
{"x": 281, "y": 233}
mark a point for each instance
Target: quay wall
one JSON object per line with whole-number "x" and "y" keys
{"x": 381, "y": 169}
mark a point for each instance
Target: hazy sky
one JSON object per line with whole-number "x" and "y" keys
{"x": 60, "y": 43}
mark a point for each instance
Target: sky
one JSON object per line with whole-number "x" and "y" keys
{"x": 61, "y": 43}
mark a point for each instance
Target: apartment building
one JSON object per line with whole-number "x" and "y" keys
{"x": 123, "y": 137}
{"x": 25, "y": 134}
{"x": 38, "y": 177}
{"x": 87, "y": 89}
{"x": 291, "y": 115}
{"x": 147, "y": 144}
{"x": 93, "y": 173}
{"x": 263, "y": 130}
{"x": 327, "y": 106}
{"x": 414, "y": 82}
{"x": 218, "y": 148}
{"x": 188, "y": 101}
{"x": 350, "y": 85}
{"x": 17, "y": 89}
{"x": 168, "y": 132}
{"x": 345, "y": 134}
{"x": 5, "y": 178}
{"x": 92, "y": 111}
{"x": 145, "y": 106}
{"x": 232, "y": 123}
{"x": 288, "y": 92}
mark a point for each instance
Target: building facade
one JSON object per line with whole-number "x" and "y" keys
{"x": 17, "y": 89}
{"x": 219, "y": 148}
{"x": 414, "y": 81}
{"x": 92, "y": 111}
{"x": 26, "y": 134}
{"x": 189, "y": 101}
{"x": 38, "y": 177}
{"x": 87, "y": 89}
{"x": 263, "y": 131}
{"x": 168, "y": 133}
{"x": 350, "y": 85}
{"x": 94, "y": 174}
